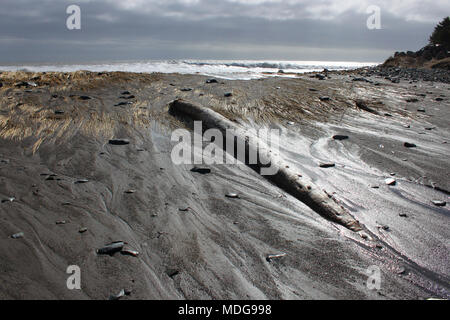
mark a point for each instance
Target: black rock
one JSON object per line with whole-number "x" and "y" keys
{"x": 327, "y": 165}
{"x": 409, "y": 145}
{"x": 201, "y": 170}
{"x": 324, "y": 98}
{"x": 228, "y": 94}
{"x": 212, "y": 81}
{"x": 85, "y": 98}
{"x": 125, "y": 92}
{"x": 439, "y": 99}
{"x": 186, "y": 89}
{"x": 59, "y": 112}
{"x": 412, "y": 100}
{"x": 340, "y": 137}
{"x": 119, "y": 142}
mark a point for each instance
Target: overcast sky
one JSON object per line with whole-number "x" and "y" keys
{"x": 334, "y": 30}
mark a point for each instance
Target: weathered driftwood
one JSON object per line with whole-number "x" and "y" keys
{"x": 285, "y": 178}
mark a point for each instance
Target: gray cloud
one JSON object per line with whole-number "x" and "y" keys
{"x": 34, "y": 31}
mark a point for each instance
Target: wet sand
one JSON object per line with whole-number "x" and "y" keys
{"x": 55, "y": 134}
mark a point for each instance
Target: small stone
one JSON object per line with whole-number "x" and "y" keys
{"x": 201, "y": 170}
{"x": 228, "y": 94}
{"x": 327, "y": 165}
{"x": 409, "y": 145}
{"x": 11, "y": 199}
{"x": 439, "y": 203}
{"x": 186, "y": 89}
{"x": 60, "y": 222}
{"x": 119, "y": 142}
{"x": 81, "y": 181}
{"x": 232, "y": 195}
{"x": 18, "y": 235}
{"x": 129, "y": 252}
{"x": 83, "y": 230}
{"x": 85, "y": 98}
{"x": 403, "y": 215}
{"x": 131, "y": 191}
{"x": 271, "y": 257}
{"x": 211, "y": 81}
{"x": 172, "y": 273}
{"x": 390, "y": 182}
{"x": 401, "y": 270}
{"x": 421, "y": 110}
{"x": 340, "y": 137}
{"x": 324, "y": 98}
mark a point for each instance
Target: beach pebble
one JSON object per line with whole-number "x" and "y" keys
{"x": 326, "y": 165}
{"x": 271, "y": 257}
{"x": 409, "y": 145}
{"x": 11, "y": 199}
{"x": 81, "y": 181}
{"x": 439, "y": 203}
{"x": 201, "y": 170}
{"x": 119, "y": 142}
{"x": 121, "y": 294}
{"x": 340, "y": 137}
{"x": 111, "y": 248}
{"x": 129, "y": 252}
{"x": 232, "y": 195}
{"x": 172, "y": 273}
{"x": 18, "y": 235}
{"x": 390, "y": 182}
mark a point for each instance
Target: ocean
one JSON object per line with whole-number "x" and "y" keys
{"x": 225, "y": 69}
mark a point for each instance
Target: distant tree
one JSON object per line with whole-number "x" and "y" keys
{"x": 441, "y": 33}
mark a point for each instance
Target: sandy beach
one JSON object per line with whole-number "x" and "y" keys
{"x": 70, "y": 191}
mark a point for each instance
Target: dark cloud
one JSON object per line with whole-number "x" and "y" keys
{"x": 35, "y": 31}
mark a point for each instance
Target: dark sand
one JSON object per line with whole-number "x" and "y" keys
{"x": 219, "y": 246}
